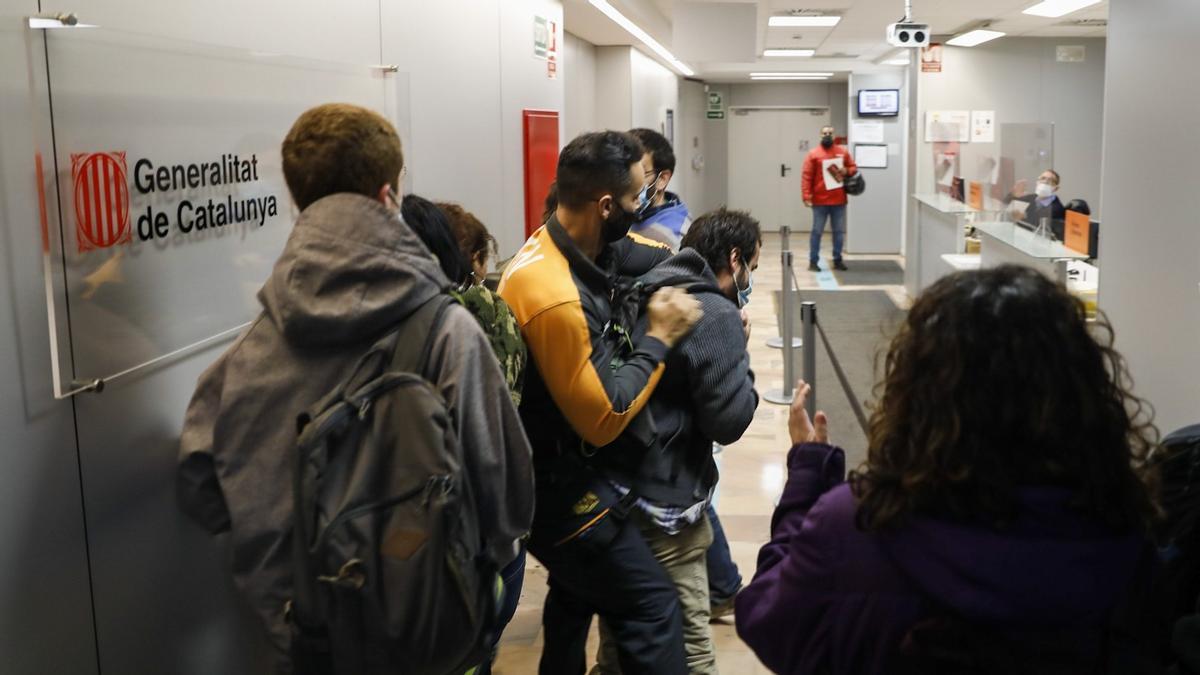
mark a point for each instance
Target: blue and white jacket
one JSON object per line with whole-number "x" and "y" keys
{"x": 667, "y": 223}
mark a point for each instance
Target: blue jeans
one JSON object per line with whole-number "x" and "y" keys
{"x": 723, "y": 577}
{"x": 514, "y": 579}
{"x": 837, "y": 214}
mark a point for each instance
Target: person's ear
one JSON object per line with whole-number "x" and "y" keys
{"x": 605, "y": 204}
{"x": 665, "y": 179}
{"x": 385, "y": 195}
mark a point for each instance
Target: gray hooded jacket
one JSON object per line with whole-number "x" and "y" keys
{"x": 350, "y": 271}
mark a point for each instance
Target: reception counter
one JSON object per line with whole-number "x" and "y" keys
{"x": 937, "y": 232}
{"x": 1009, "y": 243}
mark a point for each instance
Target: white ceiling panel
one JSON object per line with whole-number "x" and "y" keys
{"x": 860, "y": 32}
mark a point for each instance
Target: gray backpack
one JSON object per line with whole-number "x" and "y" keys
{"x": 388, "y": 561}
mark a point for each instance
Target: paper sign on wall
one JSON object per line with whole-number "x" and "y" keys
{"x": 983, "y": 126}
{"x": 931, "y": 58}
{"x": 946, "y": 126}
{"x": 871, "y": 156}
{"x": 867, "y": 131}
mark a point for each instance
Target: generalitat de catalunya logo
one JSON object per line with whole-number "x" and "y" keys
{"x": 101, "y": 200}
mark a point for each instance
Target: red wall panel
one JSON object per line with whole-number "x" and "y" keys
{"x": 541, "y": 162}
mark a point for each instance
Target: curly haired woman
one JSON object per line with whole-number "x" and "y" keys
{"x": 1000, "y": 518}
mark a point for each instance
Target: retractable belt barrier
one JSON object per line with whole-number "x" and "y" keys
{"x": 810, "y": 328}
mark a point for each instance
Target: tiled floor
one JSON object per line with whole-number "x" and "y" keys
{"x": 752, "y": 476}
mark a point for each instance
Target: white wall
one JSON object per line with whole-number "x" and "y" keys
{"x": 579, "y": 79}
{"x": 1149, "y": 239}
{"x": 614, "y": 88}
{"x": 655, "y": 90}
{"x": 466, "y": 110}
{"x": 145, "y": 591}
{"x": 524, "y": 84}
{"x": 1022, "y": 81}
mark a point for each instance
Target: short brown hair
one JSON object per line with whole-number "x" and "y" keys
{"x": 473, "y": 238}
{"x": 338, "y": 147}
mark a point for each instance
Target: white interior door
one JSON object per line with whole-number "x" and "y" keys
{"x": 766, "y": 157}
{"x": 799, "y": 132}
{"x": 753, "y": 169}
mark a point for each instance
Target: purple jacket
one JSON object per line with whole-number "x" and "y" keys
{"x": 828, "y": 598}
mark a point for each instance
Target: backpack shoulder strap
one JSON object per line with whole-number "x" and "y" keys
{"x": 415, "y": 335}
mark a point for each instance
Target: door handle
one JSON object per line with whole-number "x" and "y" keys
{"x": 783, "y": 169}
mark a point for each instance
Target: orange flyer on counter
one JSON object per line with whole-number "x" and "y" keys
{"x": 1077, "y": 232}
{"x": 975, "y": 195}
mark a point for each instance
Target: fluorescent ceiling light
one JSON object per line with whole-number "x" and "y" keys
{"x": 782, "y": 74}
{"x": 896, "y": 62}
{"x": 975, "y": 37}
{"x": 789, "y": 52}
{"x": 636, "y": 31}
{"x": 1056, "y": 8}
{"x": 787, "y": 77}
{"x": 803, "y": 21}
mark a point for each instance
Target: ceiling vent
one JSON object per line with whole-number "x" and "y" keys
{"x": 1086, "y": 23}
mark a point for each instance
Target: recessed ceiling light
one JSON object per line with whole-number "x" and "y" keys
{"x": 789, "y": 52}
{"x": 1056, "y": 8}
{"x": 636, "y": 31}
{"x": 804, "y": 21}
{"x": 975, "y": 37}
{"x": 896, "y": 62}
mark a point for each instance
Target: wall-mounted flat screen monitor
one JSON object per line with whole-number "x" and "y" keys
{"x": 878, "y": 102}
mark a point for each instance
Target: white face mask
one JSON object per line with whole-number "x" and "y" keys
{"x": 1044, "y": 190}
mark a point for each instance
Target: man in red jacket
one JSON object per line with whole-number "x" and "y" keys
{"x": 825, "y": 169}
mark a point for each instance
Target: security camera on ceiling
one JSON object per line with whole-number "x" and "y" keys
{"x": 906, "y": 32}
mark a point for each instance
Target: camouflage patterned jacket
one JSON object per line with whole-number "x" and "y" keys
{"x": 499, "y": 324}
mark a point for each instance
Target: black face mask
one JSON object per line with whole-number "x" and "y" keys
{"x": 827, "y": 142}
{"x": 618, "y": 223}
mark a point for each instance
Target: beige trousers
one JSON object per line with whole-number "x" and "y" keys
{"x": 683, "y": 556}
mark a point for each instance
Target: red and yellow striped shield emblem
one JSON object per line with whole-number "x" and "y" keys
{"x": 101, "y": 200}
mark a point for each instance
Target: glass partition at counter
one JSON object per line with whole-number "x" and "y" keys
{"x": 163, "y": 199}
{"x": 987, "y": 175}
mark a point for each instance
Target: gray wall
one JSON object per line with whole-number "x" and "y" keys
{"x": 99, "y": 571}
{"x": 876, "y": 217}
{"x": 614, "y": 76}
{"x": 716, "y": 138}
{"x": 691, "y": 141}
{"x": 579, "y": 79}
{"x": 46, "y": 621}
{"x": 1022, "y": 81}
{"x": 716, "y": 155}
{"x": 1150, "y": 240}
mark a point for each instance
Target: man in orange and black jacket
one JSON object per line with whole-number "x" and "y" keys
{"x": 590, "y": 379}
